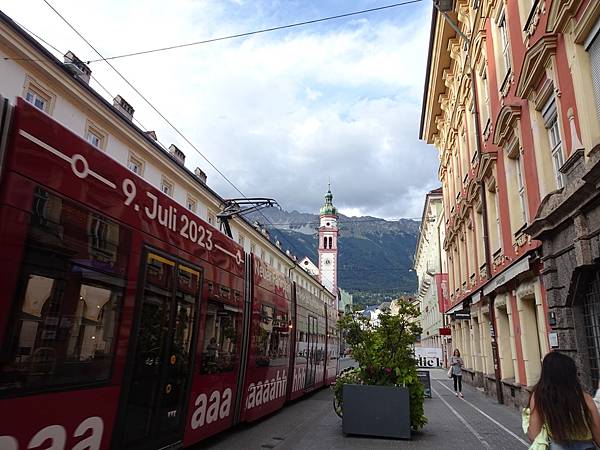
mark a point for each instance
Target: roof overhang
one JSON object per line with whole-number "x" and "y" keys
{"x": 438, "y": 59}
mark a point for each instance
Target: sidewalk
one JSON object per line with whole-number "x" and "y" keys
{"x": 472, "y": 423}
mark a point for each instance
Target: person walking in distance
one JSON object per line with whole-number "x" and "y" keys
{"x": 457, "y": 363}
{"x": 561, "y": 416}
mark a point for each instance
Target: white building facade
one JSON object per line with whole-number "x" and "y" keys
{"x": 430, "y": 267}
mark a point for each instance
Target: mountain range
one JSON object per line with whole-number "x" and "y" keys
{"x": 375, "y": 255}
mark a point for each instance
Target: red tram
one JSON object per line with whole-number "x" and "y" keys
{"x": 125, "y": 320}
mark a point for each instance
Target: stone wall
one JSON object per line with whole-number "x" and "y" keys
{"x": 568, "y": 224}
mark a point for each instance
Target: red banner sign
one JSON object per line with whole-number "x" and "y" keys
{"x": 443, "y": 292}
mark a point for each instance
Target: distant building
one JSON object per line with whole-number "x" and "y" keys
{"x": 326, "y": 271}
{"x": 345, "y": 301}
{"x": 328, "y": 247}
{"x": 309, "y": 266}
{"x": 430, "y": 266}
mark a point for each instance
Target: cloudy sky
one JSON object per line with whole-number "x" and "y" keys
{"x": 279, "y": 113}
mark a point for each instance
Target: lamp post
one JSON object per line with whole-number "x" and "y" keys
{"x": 443, "y": 7}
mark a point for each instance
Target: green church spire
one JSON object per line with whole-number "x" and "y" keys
{"x": 328, "y": 208}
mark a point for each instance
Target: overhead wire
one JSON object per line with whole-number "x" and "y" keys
{"x": 190, "y": 143}
{"x": 251, "y": 33}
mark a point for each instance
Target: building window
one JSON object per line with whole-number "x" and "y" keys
{"x": 39, "y": 97}
{"x": 95, "y": 136}
{"x": 504, "y": 42}
{"x": 521, "y": 187}
{"x": 211, "y": 218}
{"x": 241, "y": 240}
{"x": 550, "y": 115}
{"x": 271, "y": 261}
{"x": 136, "y": 165}
{"x": 166, "y": 186}
{"x": 516, "y": 185}
{"x": 497, "y": 213}
{"x": 493, "y": 211}
{"x": 485, "y": 98}
{"x": 591, "y": 312}
{"x": 594, "y": 51}
{"x": 253, "y": 248}
{"x": 191, "y": 203}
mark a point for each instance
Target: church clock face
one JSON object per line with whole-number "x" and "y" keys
{"x": 327, "y": 262}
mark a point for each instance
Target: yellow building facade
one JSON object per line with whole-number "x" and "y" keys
{"x": 505, "y": 105}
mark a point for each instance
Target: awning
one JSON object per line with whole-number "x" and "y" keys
{"x": 455, "y": 308}
{"x": 504, "y": 277}
{"x": 475, "y": 297}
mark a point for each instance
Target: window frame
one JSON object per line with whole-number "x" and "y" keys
{"x": 555, "y": 141}
{"x": 136, "y": 160}
{"x": 521, "y": 186}
{"x": 592, "y": 48}
{"x": 190, "y": 200}
{"x": 211, "y": 218}
{"x": 167, "y": 183}
{"x": 504, "y": 41}
{"x": 93, "y": 129}
{"x": 40, "y": 91}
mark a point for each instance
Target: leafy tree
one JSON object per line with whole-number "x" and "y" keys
{"x": 384, "y": 353}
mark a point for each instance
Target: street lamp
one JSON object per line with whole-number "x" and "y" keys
{"x": 444, "y": 5}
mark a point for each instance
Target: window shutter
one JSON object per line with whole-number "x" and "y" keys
{"x": 594, "y": 51}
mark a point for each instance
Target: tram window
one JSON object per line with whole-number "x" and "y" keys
{"x": 273, "y": 339}
{"x": 220, "y": 352}
{"x": 68, "y": 299}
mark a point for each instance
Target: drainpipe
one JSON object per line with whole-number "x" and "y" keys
{"x": 486, "y": 244}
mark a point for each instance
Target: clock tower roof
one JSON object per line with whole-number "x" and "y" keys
{"x": 328, "y": 208}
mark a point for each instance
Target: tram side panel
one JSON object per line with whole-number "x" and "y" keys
{"x": 80, "y": 232}
{"x": 218, "y": 353}
{"x": 310, "y": 343}
{"x": 270, "y": 338}
{"x": 300, "y": 364}
{"x": 320, "y": 355}
{"x": 333, "y": 345}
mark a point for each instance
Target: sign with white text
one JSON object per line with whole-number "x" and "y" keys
{"x": 428, "y": 357}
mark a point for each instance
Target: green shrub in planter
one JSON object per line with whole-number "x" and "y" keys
{"x": 384, "y": 353}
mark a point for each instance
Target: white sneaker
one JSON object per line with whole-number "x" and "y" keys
{"x": 460, "y": 395}
{"x": 456, "y": 393}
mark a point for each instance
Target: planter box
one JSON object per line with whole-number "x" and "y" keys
{"x": 382, "y": 411}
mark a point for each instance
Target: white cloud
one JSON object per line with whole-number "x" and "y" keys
{"x": 278, "y": 113}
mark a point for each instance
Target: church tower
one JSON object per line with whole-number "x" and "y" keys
{"x": 328, "y": 246}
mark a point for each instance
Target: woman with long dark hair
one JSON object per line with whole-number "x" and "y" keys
{"x": 562, "y": 415}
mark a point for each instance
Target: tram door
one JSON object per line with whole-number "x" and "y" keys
{"x": 160, "y": 377}
{"x": 313, "y": 335}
